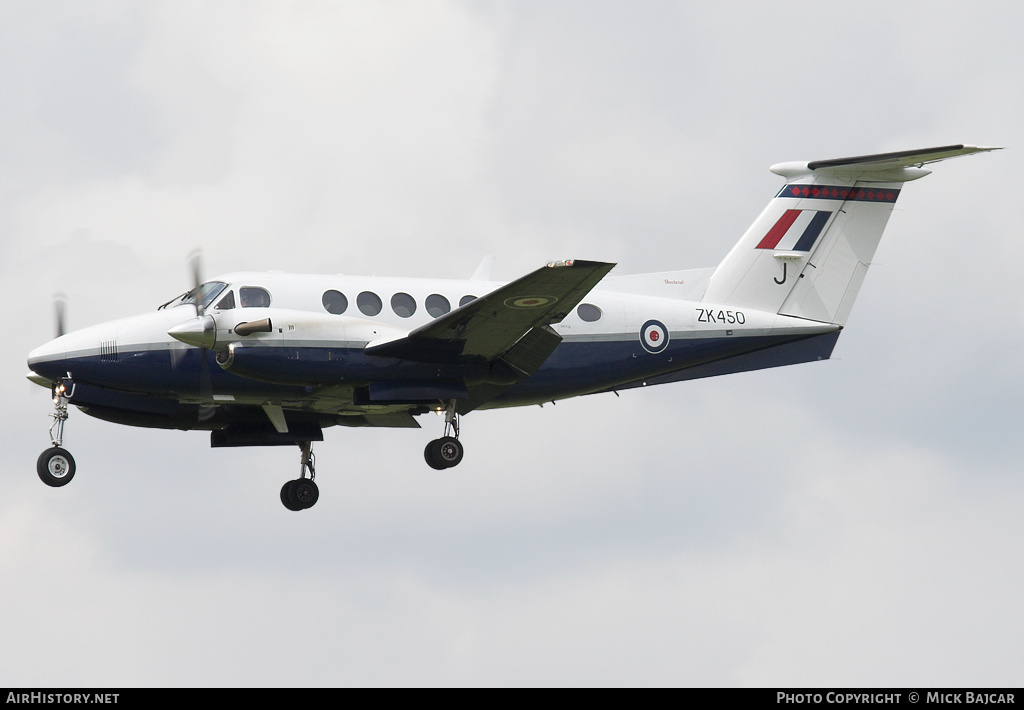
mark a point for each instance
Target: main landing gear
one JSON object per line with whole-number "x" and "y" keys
{"x": 447, "y": 451}
{"x": 55, "y": 466}
{"x": 302, "y": 493}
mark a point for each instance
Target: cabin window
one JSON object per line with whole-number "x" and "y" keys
{"x": 254, "y": 297}
{"x": 226, "y": 303}
{"x": 588, "y": 312}
{"x": 437, "y": 305}
{"x": 403, "y": 305}
{"x": 466, "y": 299}
{"x": 369, "y": 303}
{"x": 335, "y": 302}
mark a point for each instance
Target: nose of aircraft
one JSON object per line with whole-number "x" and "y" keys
{"x": 101, "y": 350}
{"x": 48, "y": 360}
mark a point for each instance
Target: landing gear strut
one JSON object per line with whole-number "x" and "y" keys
{"x": 55, "y": 466}
{"x": 447, "y": 451}
{"x": 302, "y": 493}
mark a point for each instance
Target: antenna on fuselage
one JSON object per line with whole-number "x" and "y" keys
{"x": 483, "y": 272}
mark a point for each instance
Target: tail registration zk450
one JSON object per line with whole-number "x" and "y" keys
{"x": 705, "y": 315}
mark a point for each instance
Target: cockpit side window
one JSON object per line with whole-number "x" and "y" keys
{"x": 226, "y": 303}
{"x": 205, "y": 294}
{"x": 254, "y": 297}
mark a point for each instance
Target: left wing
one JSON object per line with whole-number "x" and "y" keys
{"x": 487, "y": 328}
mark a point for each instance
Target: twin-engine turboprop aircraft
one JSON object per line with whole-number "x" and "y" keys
{"x": 263, "y": 359}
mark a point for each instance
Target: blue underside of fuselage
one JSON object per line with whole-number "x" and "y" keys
{"x": 132, "y": 379}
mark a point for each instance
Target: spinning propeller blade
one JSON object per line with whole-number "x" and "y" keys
{"x": 207, "y": 408}
{"x": 60, "y": 303}
{"x": 195, "y": 262}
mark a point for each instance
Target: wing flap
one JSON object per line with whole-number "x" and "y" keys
{"x": 392, "y": 420}
{"x": 523, "y": 359}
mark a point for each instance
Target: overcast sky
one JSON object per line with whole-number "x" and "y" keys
{"x": 854, "y": 522}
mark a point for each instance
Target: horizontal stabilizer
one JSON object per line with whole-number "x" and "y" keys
{"x": 902, "y": 158}
{"x": 898, "y": 166}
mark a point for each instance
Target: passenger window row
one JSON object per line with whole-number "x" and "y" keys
{"x": 404, "y": 305}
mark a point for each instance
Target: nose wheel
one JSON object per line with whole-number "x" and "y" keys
{"x": 302, "y": 493}
{"x": 447, "y": 451}
{"x": 56, "y": 466}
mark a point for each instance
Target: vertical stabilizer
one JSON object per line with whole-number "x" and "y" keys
{"x": 832, "y": 273}
{"x": 807, "y": 253}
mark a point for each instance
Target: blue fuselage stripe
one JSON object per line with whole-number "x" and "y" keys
{"x": 573, "y": 368}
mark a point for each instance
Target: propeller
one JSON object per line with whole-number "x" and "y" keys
{"x": 60, "y": 307}
{"x": 200, "y": 332}
{"x": 195, "y": 262}
{"x": 206, "y": 407}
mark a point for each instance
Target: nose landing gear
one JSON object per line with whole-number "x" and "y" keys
{"x": 447, "y": 451}
{"x": 55, "y": 466}
{"x": 302, "y": 493}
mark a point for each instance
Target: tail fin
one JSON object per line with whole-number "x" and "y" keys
{"x": 807, "y": 253}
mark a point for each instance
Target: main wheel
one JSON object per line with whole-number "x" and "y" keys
{"x": 305, "y": 492}
{"x": 56, "y": 467}
{"x": 432, "y": 456}
{"x": 443, "y": 453}
{"x": 287, "y": 497}
{"x": 449, "y": 451}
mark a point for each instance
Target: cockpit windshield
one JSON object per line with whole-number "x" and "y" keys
{"x": 204, "y": 294}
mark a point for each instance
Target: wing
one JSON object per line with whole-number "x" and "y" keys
{"x": 487, "y": 328}
{"x": 507, "y": 329}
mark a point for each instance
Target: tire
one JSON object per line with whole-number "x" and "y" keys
{"x": 56, "y": 467}
{"x": 449, "y": 451}
{"x": 305, "y": 493}
{"x": 432, "y": 455}
{"x": 287, "y": 497}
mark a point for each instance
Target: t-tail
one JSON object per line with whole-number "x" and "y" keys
{"x": 806, "y": 255}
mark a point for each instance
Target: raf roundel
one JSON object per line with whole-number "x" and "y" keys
{"x": 654, "y": 336}
{"x": 529, "y": 301}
